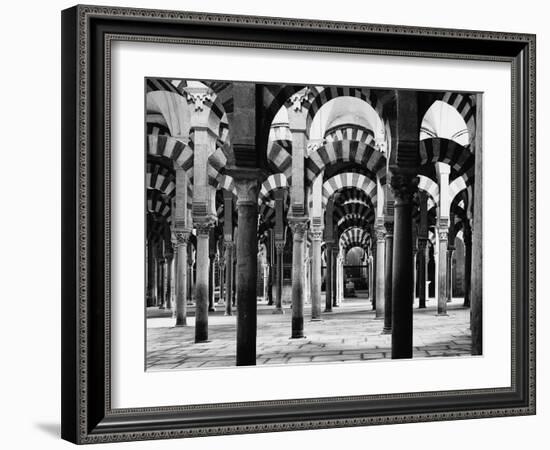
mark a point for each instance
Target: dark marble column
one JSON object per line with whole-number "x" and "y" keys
{"x": 279, "y": 247}
{"x": 467, "y": 234}
{"x": 422, "y": 261}
{"x": 161, "y": 291}
{"x": 182, "y": 238}
{"x": 388, "y": 271}
{"x": 247, "y": 265}
{"x": 202, "y": 282}
{"x": 403, "y": 186}
{"x": 299, "y": 228}
{"x": 328, "y": 277}
{"x": 154, "y": 280}
{"x": 450, "y": 250}
{"x": 191, "y": 278}
{"x": 228, "y": 277}
{"x": 221, "y": 267}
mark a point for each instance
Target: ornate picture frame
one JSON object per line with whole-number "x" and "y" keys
{"x": 88, "y": 33}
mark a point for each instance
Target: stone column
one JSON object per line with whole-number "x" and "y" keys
{"x": 371, "y": 279}
{"x": 476, "y": 296}
{"x": 450, "y": 250}
{"x": 380, "y": 268}
{"x": 467, "y": 235}
{"x": 191, "y": 278}
{"x": 404, "y": 187}
{"x": 211, "y": 283}
{"x": 279, "y": 247}
{"x": 154, "y": 281}
{"x": 335, "y": 276}
{"x": 328, "y": 277}
{"x": 221, "y": 266}
{"x": 182, "y": 238}
{"x": 228, "y": 277}
{"x": 316, "y": 236}
{"x": 299, "y": 228}
{"x": 443, "y": 236}
{"x": 248, "y": 186}
{"x": 168, "y": 296}
{"x": 202, "y": 282}
{"x": 161, "y": 262}
{"x": 388, "y": 272}
{"x": 422, "y": 272}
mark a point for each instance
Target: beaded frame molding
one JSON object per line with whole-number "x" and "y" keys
{"x": 87, "y": 35}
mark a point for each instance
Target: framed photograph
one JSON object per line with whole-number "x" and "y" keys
{"x": 280, "y": 224}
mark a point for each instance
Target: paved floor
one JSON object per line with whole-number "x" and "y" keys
{"x": 350, "y": 333}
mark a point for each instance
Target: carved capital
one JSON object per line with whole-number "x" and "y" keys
{"x": 422, "y": 244}
{"x": 299, "y": 228}
{"x": 203, "y": 228}
{"x": 199, "y": 98}
{"x": 247, "y": 191}
{"x": 297, "y": 100}
{"x": 380, "y": 234}
{"x": 403, "y": 186}
{"x": 228, "y": 245}
{"x": 279, "y": 245}
{"x": 182, "y": 237}
{"x": 389, "y": 228}
{"x": 443, "y": 234}
{"x": 316, "y": 234}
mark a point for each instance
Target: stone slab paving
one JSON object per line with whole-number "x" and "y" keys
{"x": 350, "y": 333}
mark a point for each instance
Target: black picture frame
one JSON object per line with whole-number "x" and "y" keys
{"x": 87, "y": 416}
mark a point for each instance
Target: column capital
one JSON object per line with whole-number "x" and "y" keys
{"x": 228, "y": 244}
{"x": 443, "y": 234}
{"x": 316, "y": 234}
{"x": 403, "y": 186}
{"x": 422, "y": 243}
{"x": 182, "y": 237}
{"x": 203, "y": 227}
{"x": 388, "y": 226}
{"x": 298, "y": 227}
{"x": 380, "y": 234}
{"x": 279, "y": 245}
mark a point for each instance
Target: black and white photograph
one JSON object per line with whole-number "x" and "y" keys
{"x": 304, "y": 224}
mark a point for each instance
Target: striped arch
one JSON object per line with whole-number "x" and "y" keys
{"x": 272, "y": 182}
{"x": 226, "y": 182}
{"x": 465, "y": 105}
{"x": 319, "y": 95}
{"x": 350, "y": 133}
{"x": 171, "y": 148}
{"x": 349, "y": 180}
{"x": 354, "y": 211}
{"x": 354, "y": 237}
{"x": 345, "y": 151}
{"x": 160, "y": 178}
{"x": 443, "y": 150}
{"x": 162, "y": 84}
{"x": 431, "y": 187}
{"x": 159, "y": 203}
{"x": 279, "y": 149}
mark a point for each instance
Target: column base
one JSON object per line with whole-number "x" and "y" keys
{"x": 327, "y": 311}
{"x": 211, "y": 309}
{"x": 442, "y": 314}
{"x": 302, "y": 336}
{"x": 203, "y": 342}
{"x": 227, "y": 314}
{"x": 386, "y": 331}
{"x": 379, "y": 318}
{"x": 316, "y": 320}
{"x": 162, "y": 307}
{"x": 278, "y": 311}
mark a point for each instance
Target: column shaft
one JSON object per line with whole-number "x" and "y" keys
{"x": 181, "y": 279}
{"x": 442, "y": 274}
{"x": 380, "y": 266}
{"x": 388, "y": 279}
{"x": 228, "y": 278}
{"x": 298, "y": 230}
{"x": 422, "y": 260}
{"x": 328, "y": 278}
{"x": 279, "y": 246}
{"x": 402, "y": 278}
{"x": 201, "y": 286}
{"x": 316, "y": 275}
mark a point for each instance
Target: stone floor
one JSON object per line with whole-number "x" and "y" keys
{"x": 350, "y": 333}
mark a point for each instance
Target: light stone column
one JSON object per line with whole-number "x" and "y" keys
{"x": 335, "y": 277}
{"x": 443, "y": 236}
{"x": 182, "y": 239}
{"x": 169, "y": 262}
{"x": 316, "y": 237}
{"x": 380, "y": 269}
{"x": 299, "y": 228}
{"x": 422, "y": 271}
{"x": 371, "y": 278}
{"x": 202, "y": 281}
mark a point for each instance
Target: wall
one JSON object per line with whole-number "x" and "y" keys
{"x": 30, "y": 319}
